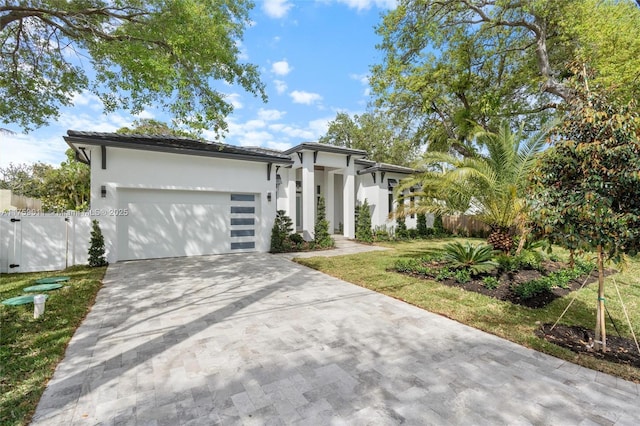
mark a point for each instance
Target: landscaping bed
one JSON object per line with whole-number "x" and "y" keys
{"x": 527, "y": 279}
{"x": 580, "y": 340}
{"x": 511, "y": 280}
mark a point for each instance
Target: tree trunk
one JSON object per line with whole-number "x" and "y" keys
{"x": 523, "y": 240}
{"x": 601, "y": 332}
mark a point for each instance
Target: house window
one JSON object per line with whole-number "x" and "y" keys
{"x": 392, "y": 183}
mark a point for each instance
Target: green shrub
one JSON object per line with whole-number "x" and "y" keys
{"x": 443, "y": 274}
{"x": 363, "y": 224}
{"x": 490, "y": 283}
{"x": 282, "y": 228}
{"x": 412, "y": 233}
{"x": 322, "y": 239}
{"x": 421, "y": 226}
{"x": 380, "y": 233}
{"x": 407, "y": 265}
{"x": 96, "y": 246}
{"x": 529, "y": 259}
{"x": 462, "y": 276}
{"x": 477, "y": 259}
{"x": 401, "y": 228}
{"x": 532, "y": 288}
{"x": 438, "y": 226}
{"x": 296, "y": 238}
{"x": 507, "y": 263}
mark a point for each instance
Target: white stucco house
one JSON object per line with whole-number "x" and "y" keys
{"x": 159, "y": 196}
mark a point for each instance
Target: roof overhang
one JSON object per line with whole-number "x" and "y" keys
{"x": 323, "y": 147}
{"x": 183, "y": 146}
{"x": 371, "y": 167}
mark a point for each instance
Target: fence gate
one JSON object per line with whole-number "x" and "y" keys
{"x": 38, "y": 243}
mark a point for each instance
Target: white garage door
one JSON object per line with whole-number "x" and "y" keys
{"x": 167, "y": 223}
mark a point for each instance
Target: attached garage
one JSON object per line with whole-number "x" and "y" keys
{"x": 171, "y": 223}
{"x": 159, "y": 196}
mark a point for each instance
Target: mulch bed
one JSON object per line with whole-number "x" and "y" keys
{"x": 508, "y": 280}
{"x": 580, "y": 340}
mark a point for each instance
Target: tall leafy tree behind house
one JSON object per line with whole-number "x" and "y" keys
{"x": 373, "y": 132}
{"x": 149, "y": 126}
{"x": 130, "y": 54}
{"x": 586, "y": 187}
{"x": 452, "y": 65}
{"x": 59, "y": 188}
{"x": 491, "y": 183}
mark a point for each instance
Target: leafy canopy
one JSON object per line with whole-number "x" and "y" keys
{"x": 449, "y": 65}
{"x": 152, "y": 52}
{"x": 586, "y": 187}
{"x": 373, "y": 132}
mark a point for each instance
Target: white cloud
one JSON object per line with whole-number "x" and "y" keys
{"x": 144, "y": 114}
{"x": 276, "y": 8}
{"x": 87, "y": 99}
{"x": 306, "y": 98}
{"x": 254, "y": 138}
{"x": 87, "y": 122}
{"x": 320, "y": 126}
{"x": 243, "y": 55}
{"x": 281, "y": 67}
{"x": 280, "y": 146}
{"x": 362, "y": 78}
{"x": 281, "y": 86}
{"x": 367, "y": 4}
{"x": 254, "y": 124}
{"x": 270, "y": 114}
{"x": 21, "y": 148}
{"x": 234, "y": 99}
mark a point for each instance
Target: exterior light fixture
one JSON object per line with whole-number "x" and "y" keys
{"x": 103, "y": 191}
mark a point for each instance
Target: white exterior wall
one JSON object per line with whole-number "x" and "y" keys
{"x": 377, "y": 195}
{"x": 138, "y": 169}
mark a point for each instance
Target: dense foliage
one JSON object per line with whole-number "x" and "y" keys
{"x": 161, "y": 53}
{"x": 373, "y": 132}
{"x": 586, "y": 189}
{"x": 449, "y": 66}
{"x": 59, "y": 188}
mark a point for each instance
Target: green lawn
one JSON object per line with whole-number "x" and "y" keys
{"x": 512, "y": 322}
{"x": 31, "y": 348}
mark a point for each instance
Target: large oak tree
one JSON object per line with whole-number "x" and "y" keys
{"x": 130, "y": 53}
{"x": 450, "y": 65}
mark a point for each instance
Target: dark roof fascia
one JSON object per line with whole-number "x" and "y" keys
{"x": 388, "y": 168}
{"x": 315, "y": 146}
{"x": 174, "y": 149}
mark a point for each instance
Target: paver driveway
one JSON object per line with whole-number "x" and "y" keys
{"x": 257, "y": 339}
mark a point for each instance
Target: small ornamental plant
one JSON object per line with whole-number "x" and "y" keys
{"x": 96, "y": 247}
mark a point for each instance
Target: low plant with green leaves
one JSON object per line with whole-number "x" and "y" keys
{"x": 462, "y": 276}
{"x": 477, "y": 259}
{"x": 490, "y": 283}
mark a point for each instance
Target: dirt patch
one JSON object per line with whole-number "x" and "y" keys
{"x": 580, "y": 340}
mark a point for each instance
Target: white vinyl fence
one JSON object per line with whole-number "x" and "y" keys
{"x": 43, "y": 242}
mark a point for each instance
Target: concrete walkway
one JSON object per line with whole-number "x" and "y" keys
{"x": 343, "y": 246}
{"x": 257, "y": 339}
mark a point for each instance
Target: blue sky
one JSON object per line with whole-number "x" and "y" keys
{"x": 314, "y": 57}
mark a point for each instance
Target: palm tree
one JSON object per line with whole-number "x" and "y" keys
{"x": 491, "y": 183}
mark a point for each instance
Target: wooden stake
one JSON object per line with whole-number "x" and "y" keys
{"x": 601, "y": 332}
